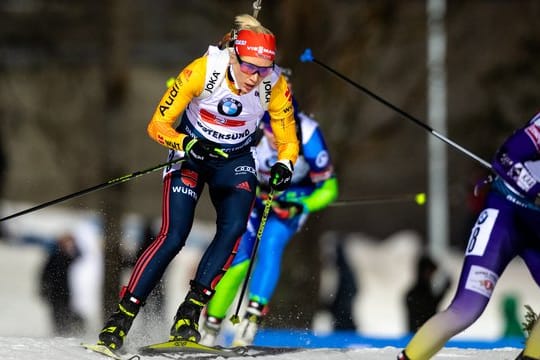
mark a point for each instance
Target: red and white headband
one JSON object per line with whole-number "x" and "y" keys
{"x": 249, "y": 43}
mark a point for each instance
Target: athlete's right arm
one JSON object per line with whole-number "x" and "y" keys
{"x": 187, "y": 85}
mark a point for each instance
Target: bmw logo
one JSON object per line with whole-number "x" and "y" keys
{"x": 482, "y": 217}
{"x": 229, "y": 107}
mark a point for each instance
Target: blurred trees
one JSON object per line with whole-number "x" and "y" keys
{"x": 116, "y": 75}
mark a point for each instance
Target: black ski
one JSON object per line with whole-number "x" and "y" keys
{"x": 185, "y": 349}
{"x": 186, "y": 346}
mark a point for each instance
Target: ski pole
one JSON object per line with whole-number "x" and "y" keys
{"x": 419, "y": 198}
{"x": 256, "y": 8}
{"x": 235, "y": 319}
{"x": 104, "y": 185}
{"x": 307, "y": 56}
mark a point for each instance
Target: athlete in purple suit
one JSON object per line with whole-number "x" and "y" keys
{"x": 509, "y": 226}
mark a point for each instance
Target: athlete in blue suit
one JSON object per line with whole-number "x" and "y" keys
{"x": 313, "y": 187}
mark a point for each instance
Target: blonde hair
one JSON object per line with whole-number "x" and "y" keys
{"x": 242, "y": 22}
{"x": 248, "y": 22}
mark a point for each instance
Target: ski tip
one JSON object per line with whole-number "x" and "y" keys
{"x": 88, "y": 346}
{"x": 104, "y": 350}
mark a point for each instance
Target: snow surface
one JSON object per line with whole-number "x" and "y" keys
{"x": 31, "y": 348}
{"x": 25, "y": 327}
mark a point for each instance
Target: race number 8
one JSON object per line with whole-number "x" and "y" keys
{"x": 481, "y": 232}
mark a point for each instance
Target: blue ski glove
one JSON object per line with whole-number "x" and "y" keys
{"x": 281, "y": 175}
{"x": 200, "y": 150}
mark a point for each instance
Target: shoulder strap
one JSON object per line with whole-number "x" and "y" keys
{"x": 216, "y": 66}
{"x": 265, "y": 87}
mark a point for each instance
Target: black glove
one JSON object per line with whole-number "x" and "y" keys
{"x": 200, "y": 150}
{"x": 280, "y": 176}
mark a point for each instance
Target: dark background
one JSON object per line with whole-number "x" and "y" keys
{"x": 79, "y": 81}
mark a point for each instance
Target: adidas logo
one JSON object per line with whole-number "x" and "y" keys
{"x": 244, "y": 186}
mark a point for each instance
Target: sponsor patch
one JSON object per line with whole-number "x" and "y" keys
{"x": 481, "y": 280}
{"x": 288, "y": 94}
{"x": 230, "y": 107}
{"x": 244, "y": 185}
{"x": 220, "y": 136}
{"x": 322, "y": 159}
{"x": 525, "y": 181}
{"x": 189, "y": 178}
{"x": 533, "y": 131}
{"x": 244, "y": 169}
{"x": 208, "y": 117}
{"x": 186, "y": 191}
{"x": 187, "y": 73}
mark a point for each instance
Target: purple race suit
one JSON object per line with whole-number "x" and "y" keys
{"x": 507, "y": 227}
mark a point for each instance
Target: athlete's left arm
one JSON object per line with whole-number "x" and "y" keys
{"x": 517, "y": 161}
{"x": 325, "y": 194}
{"x": 522, "y": 145}
{"x": 281, "y": 113}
